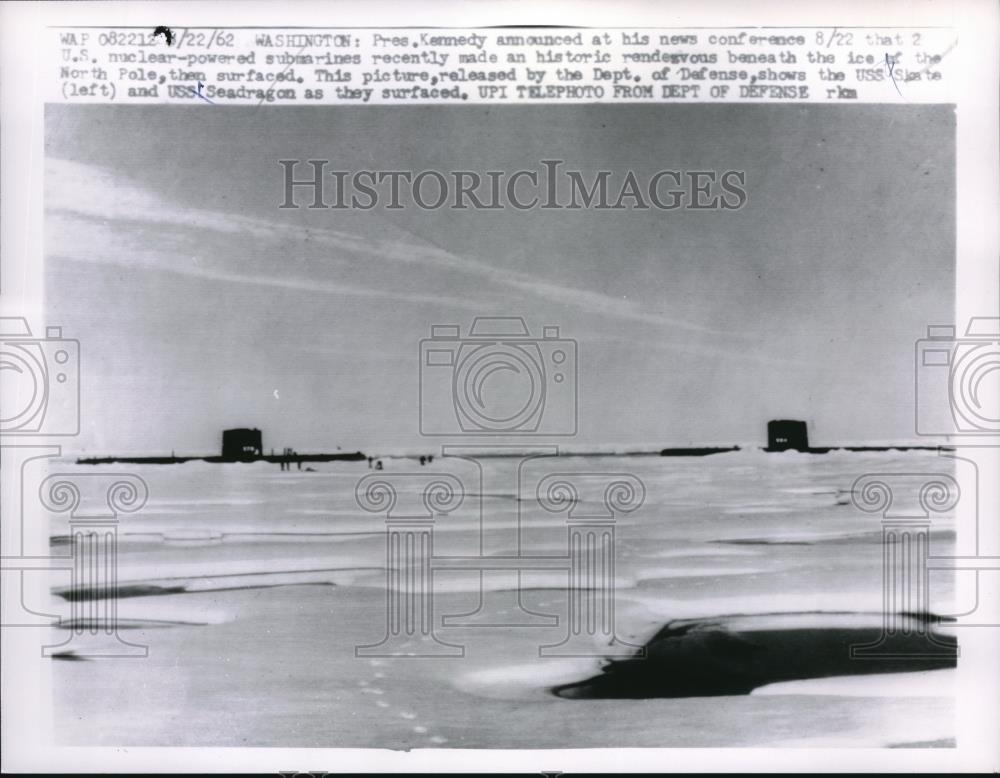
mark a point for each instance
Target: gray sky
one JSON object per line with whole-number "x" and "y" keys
{"x": 200, "y": 305}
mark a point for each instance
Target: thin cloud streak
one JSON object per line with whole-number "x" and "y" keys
{"x": 95, "y": 193}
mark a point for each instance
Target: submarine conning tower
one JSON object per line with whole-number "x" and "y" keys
{"x": 242, "y": 443}
{"x": 787, "y": 435}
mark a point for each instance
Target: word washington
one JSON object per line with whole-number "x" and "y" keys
{"x": 549, "y": 187}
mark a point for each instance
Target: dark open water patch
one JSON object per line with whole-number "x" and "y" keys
{"x": 945, "y": 742}
{"x": 82, "y": 594}
{"x": 733, "y": 655}
{"x": 262, "y": 579}
{"x": 94, "y": 625}
{"x": 69, "y": 656}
